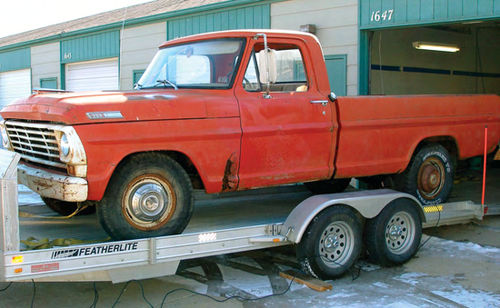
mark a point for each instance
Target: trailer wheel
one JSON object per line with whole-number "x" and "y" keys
{"x": 331, "y": 243}
{"x": 393, "y": 236}
{"x": 328, "y": 186}
{"x": 66, "y": 208}
{"x": 151, "y": 195}
{"x": 429, "y": 176}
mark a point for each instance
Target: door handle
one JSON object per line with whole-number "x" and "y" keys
{"x": 321, "y": 101}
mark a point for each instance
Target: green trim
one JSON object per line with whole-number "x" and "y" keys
{"x": 48, "y": 80}
{"x": 340, "y": 90}
{"x": 256, "y": 16}
{"x": 429, "y": 23}
{"x": 96, "y": 46}
{"x": 364, "y": 63}
{"x": 136, "y": 75}
{"x": 137, "y": 21}
{"x": 15, "y": 60}
{"x": 63, "y": 76}
{"x": 380, "y": 14}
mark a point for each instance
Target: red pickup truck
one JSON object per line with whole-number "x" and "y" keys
{"x": 230, "y": 111}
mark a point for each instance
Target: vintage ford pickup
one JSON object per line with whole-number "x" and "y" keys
{"x": 229, "y": 111}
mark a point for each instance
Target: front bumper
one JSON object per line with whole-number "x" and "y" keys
{"x": 51, "y": 185}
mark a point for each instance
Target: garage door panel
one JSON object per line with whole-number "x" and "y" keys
{"x": 14, "y": 85}
{"x": 92, "y": 76}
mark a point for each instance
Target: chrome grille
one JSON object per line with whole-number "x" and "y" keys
{"x": 35, "y": 142}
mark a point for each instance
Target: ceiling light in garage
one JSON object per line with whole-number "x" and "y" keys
{"x": 436, "y": 46}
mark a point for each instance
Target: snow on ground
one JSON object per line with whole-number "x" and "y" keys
{"x": 26, "y": 196}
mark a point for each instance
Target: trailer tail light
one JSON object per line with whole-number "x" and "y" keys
{"x": 17, "y": 259}
{"x": 18, "y": 270}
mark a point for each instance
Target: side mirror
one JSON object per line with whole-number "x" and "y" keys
{"x": 332, "y": 96}
{"x": 268, "y": 72}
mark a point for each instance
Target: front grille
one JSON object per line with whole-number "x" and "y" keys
{"x": 35, "y": 142}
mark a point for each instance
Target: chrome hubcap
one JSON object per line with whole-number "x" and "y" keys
{"x": 400, "y": 232}
{"x": 336, "y": 244}
{"x": 148, "y": 201}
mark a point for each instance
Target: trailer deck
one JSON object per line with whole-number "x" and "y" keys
{"x": 232, "y": 223}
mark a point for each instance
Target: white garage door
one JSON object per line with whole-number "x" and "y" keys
{"x": 92, "y": 75}
{"x": 14, "y": 85}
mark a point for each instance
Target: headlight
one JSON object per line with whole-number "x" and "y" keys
{"x": 70, "y": 147}
{"x": 5, "y": 137}
{"x": 65, "y": 147}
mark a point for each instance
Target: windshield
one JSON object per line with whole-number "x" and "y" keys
{"x": 203, "y": 64}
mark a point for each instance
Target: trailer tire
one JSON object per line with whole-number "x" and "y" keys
{"x": 66, "y": 208}
{"x": 429, "y": 176}
{"x": 150, "y": 195}
{"x": 331, "y": 243}
{"x": 393, "y": 236}
{"x": 328, "y": 186}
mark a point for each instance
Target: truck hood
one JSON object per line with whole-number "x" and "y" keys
{"x": 144, "y": 105}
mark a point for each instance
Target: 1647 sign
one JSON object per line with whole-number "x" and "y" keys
{"x": 379, "y": 16}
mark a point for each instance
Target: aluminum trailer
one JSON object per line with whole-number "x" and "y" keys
{"x": 329, "y": 231}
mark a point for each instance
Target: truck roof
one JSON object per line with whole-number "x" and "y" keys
{"x": 243, "y": 33}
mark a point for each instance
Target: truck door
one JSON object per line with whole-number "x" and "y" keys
{"x": 287, "y": 135}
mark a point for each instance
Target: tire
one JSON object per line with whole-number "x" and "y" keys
{"x": 429, "y": 176}
{"x": 393, "y": 236}
{"x": 150, "y": 195}
{"x": 66, "y": 208}
{"x": 328, "y": 186}
{"x": 331, "y": 243}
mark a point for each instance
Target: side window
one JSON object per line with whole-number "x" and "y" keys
{"x": 284, "y": 66}
{"x": 251, "y": 80}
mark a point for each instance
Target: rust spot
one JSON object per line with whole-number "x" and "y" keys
{"x": 230, "y": 179}
{"x": 42, "y": 184}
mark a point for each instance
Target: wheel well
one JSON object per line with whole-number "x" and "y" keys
{"x": 180, "y": 158}
{"x": 448, "y": 142}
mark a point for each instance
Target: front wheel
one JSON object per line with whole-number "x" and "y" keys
{"x": 150, "y": 195}
{"x": 331, "y": 243}
{"x": 393, "y": 236}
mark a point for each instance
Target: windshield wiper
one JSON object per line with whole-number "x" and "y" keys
{"x": 167, "y": 82}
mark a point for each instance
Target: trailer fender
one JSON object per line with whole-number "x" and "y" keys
{"x": 368, "y": 203}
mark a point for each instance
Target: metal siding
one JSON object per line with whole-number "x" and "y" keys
{"x": 441, "y": 9}
{"x": 15, "y": 60}
{"x": 415, "y": 12}
{"x": 257, "y": 16}
{"x": 91, "y": 47}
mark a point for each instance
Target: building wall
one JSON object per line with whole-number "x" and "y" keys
{"x": 138, "y": 46}
{"x": 478, "y": 54}
{"x": 45, "y": 63}
{"x": 336, "y": 27}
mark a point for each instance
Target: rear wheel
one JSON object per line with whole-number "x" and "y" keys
{"x": 429, "y": 176}
{"x": 393, "y": 236}
{"x": 328, "y": 186}
{"x": 331, "y": 243}
{"x": 151, "y": 195}
{"x": 66, "y": 208}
